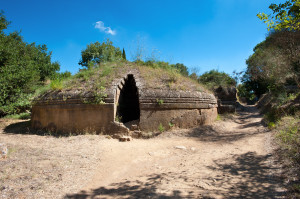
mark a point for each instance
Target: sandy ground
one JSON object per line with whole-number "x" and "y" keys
{"x": 230, "y": 159}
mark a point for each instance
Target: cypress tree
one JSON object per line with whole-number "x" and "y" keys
{"x": 124, "y": 54}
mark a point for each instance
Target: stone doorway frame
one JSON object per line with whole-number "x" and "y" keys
{"x": 118, "y": 91}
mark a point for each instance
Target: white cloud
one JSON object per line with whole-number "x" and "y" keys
{"x": 100, "y": 25}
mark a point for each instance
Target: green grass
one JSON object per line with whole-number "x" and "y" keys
{"x": 98, "y": 79}
{"x": 271, "y": 125}
{"x": 219, "y": 118}
{"x": 56, "y": 84}
{"x": 85, "y": 74}
{"x": 21, "y": 116}
{"x": 161, "y": 128}
{"x": 288, "y": 136}
{"x": 288, "y": 133}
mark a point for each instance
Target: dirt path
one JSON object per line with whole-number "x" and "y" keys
{"x": 231, "y": 159}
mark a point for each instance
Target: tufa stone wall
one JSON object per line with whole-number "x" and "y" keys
{"x": 227, "y": 100}
{"x": 73, "y": 111}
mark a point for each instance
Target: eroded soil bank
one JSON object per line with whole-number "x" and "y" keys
{"x": 230, "y": 159}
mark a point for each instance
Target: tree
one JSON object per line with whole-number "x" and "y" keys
{"x": 286, "y": 16}
{"x": 252, "y": 87}
{"x": 181, "y": 69}
{"x": 124, "y": 54}
{"x": 3, "y": 22}
{"x": 193, "y": 76}
{"x": 214, "y": 78}
{"x": 276, "y": 61}
{"x": 97, "y": 52}
{"x": 22, "y": 67}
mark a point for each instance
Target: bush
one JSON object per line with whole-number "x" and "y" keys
{"x": 23, "y": 67}
{"x": 161, "y": 128}
{"x": 214, "y": 78}
{"x": 289, "y": 136}
{"x": 21, "y": 116}
{"x": 56, "y": 84}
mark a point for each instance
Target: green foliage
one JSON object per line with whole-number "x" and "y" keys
{"x": 219, "y": 117}
{"x": 123, "y": 54}
{"x": 159, "y": 101}
{"x": 63, "y": 75}
{"x": 97, "y": 53}
{"x": 106, "y": 70}
{"x": 271, "y": 125}
{"x": 285, "y": 16}
{"x": 214, "y": 79}
{"x": 161, "y": 128}
{"x": 85, "y": 74}
{"x": 3, "y": 22}
{"x": 56, "y": 84}
{"x": 289, "y": 135}
{"x": 193, "y": 76}
{"x": 99, "y": 95}
{"x": 118, "y": 118}
{"x": 23, "y": 66}
{"x": 21, "y": 116}
{"x": 179, "y": 68}
{"x": 274, "y": 64}
{"x": 182, "y": 69}
{"x": 19, "y": 105}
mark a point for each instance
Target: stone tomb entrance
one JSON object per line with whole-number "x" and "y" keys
{"x": 128, "y": 107}
{"x": 130, "y": 102}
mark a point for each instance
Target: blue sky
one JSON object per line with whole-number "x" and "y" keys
{"x": 203, "y": 34}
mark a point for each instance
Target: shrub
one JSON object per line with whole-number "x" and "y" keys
{"x": 21, "y": 116}
{"x": 214, "y": 78}
{"x": 289, "y": 136}
{"x": 161, "y": 128}
{"x": 56, "y": 84}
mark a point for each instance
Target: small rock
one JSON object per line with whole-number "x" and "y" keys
{"x": 125, "y": 138}
{"x": 3, "y": 151}
{"x": 134, "y": 127}
{"x": 136, "y": 134}
{"x": 116, "y": 136}
{"x": 180, "y": 147}
{"x": 193, "y": 149}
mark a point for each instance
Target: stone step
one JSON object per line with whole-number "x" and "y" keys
{"x": 125, "y": 138}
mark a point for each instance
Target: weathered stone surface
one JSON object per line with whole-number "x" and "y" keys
{"x": 226, "y": 93}
{"x": 73, "y": 111}
{"x": 182, "y": 118}
{"x": 136, "y": 134}
{"x": 226, "y": 99}
{"x": 75, "y": 118}
{"x": 118, "y": 128}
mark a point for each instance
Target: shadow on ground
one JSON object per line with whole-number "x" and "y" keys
{"x": 250, "y": 176}
{"x": 246, "y": 176}
{"x": 18, "y": 128}
{"x": 129, "y": 189}
{"x": 209, "y": 134}
{"x": 246, "y": 117}
{"x": 24, "y": 127}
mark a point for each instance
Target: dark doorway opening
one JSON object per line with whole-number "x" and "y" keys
{"x": 128, "y": 108}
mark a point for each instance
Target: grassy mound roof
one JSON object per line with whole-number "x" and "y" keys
{"x": 153, "y": 77}
{"x": 99, "y": 81}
